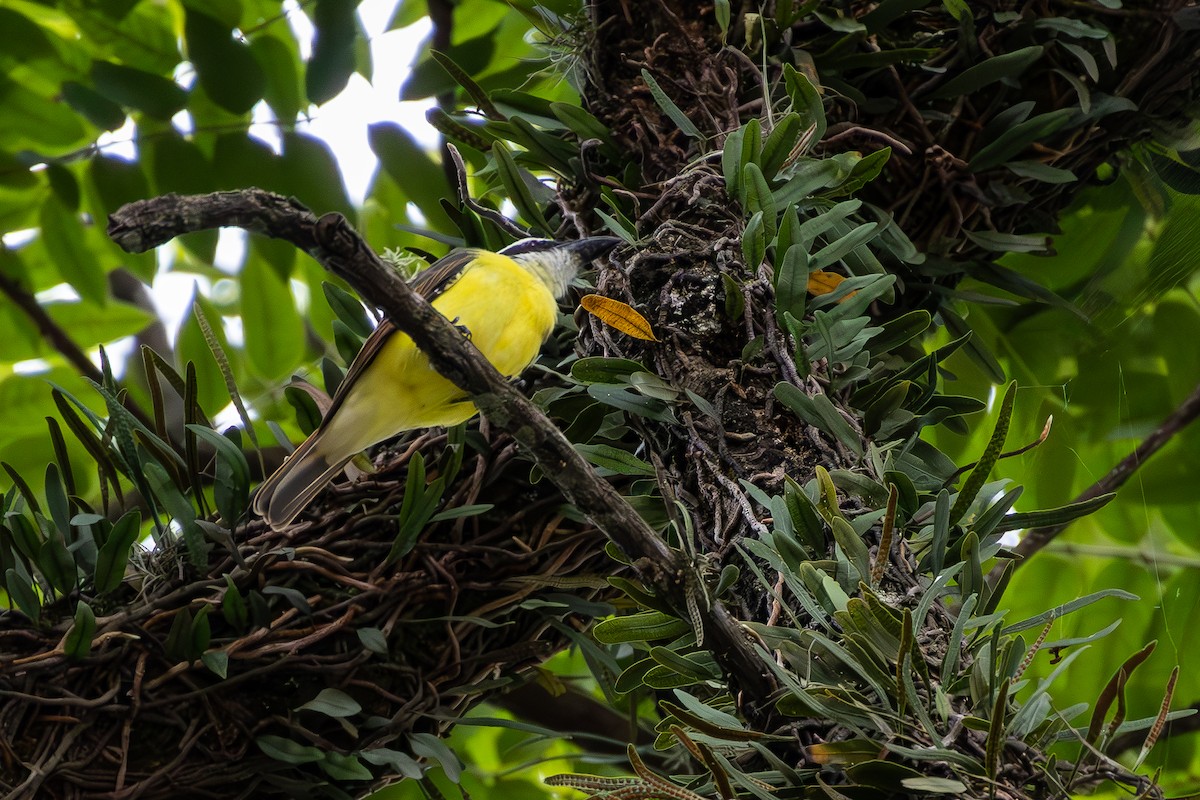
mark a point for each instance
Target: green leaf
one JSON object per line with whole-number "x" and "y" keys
{"x": 833, "y": 252}
{"x": 779, "y": 144}
{"x": 233, "y": 605}
{"x": 95, "y": 107}
{"x": 614, "y": 461}
{"x": 759, "y": 199}
{"x": 645, "y": 626}
{"x": 278, "y": 57}
{"x": 1016, "y": 138}
{"x": 400, "y": 763}
{"x": 332, "y": 61}
{"x": 217, "y": 662}
{"x": 627, "y": 399}
{"x": 114, "y": 553}
{"x": 1060, "y": 611}
{"x": 991, "y": 454}
{"x": 420, "y": 501}
{"x": 791, "y": 284}
{"x": 806, "y": 101}
{"x": 287, "y": 751}
{"x": 154, "y": 95}
{"x": 669, "y": 108}
{"x": 754, "y": 242}
{"x": 598, "y": 369}
{"x": 431, "y": 747}
{"x": 348, "y": 309}
{"x": 1012, "y": 242}
{"x": 819, "y": 412}
{"x": 309, "y": 170}
{"x": 853, "y": 546}
{"x": 231, "y": 485}
{"x": 332, "y": 703}
{"x": 459, "y": 512}
{"x": 20, "y": 591}
{"x": 514, "y": 180}
{"x": 226, "y": 69}
{"x": 374, "y": 640}
{"x": 1005, "y": 66}
{"x": 56, "y": 499}
{"x": 422, "y": 179}
{"x": 78, "y": 641}
{"x": 273, "y": 329}
{"x": 66, "y": 244}
{"x": 1054, "y": 516}
{"x": 56, "y": 563}
{"x": 742, "y": 147}
{"x": 344, "y": 768}
{"x": 32, "y": 118}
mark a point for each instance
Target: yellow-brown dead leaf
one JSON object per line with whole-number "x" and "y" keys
{"x": 618, "y": 315}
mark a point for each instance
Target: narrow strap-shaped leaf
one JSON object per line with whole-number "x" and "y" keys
{"x": 101, "y": 455}
{"x": 451, "y": 128}
{"x": 669, "y": 108}
{"x": 991, "y": 454}
{"x": 994, "y": 745}
{"x": 758, "y": 197}
{"x": 513, "y": 179}
{"x": 78, "y": 641}
{"x": 1054, "y": 516}
{"x": 466, "y": 82}
{"x": 227, "y": 374}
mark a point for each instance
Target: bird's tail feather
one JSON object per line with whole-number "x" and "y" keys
{"x": 293, "y": 486}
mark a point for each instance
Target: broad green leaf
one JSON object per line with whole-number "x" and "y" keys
{"x": 155, "y": 95}
{"x": 309, "y": 170}
{"x": 332, "y": 61}
{"x": 278, "y": 57}
{"x": 66, "y": 242}
{"x": 274, "y": 330}
{"x": 416, "y": 172}
{"x": 227, "y": 70}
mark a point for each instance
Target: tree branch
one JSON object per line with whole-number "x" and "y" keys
{"x": 1180, "y": 418}
{"x": 59, "y": 339}
{"x": 331, "y": 241}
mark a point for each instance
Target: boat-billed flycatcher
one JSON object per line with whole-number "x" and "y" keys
{"x": 508, "y": 304}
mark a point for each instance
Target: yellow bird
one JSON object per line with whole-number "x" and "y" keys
{"x": 507, "y": 302}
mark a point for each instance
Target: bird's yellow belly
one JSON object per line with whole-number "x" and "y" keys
{"x": 509, "y": 314}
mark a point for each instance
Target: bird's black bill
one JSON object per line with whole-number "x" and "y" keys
{"x": 595, "y": 247}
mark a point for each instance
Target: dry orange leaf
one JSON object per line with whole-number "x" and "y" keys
{"x": 621, "y": 316}
{"x": 821, "y": 282}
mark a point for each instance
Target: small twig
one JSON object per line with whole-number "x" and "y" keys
{"x": 459, "y": 169}
{"x": 331, "y": 241}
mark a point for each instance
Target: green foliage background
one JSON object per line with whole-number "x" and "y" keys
{"x": 1127, "y": 258}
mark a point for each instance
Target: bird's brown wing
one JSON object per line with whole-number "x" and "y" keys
{"x": 429, "y": 283}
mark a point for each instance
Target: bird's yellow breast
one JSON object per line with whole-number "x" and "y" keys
{"x": 509, "y": 313}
